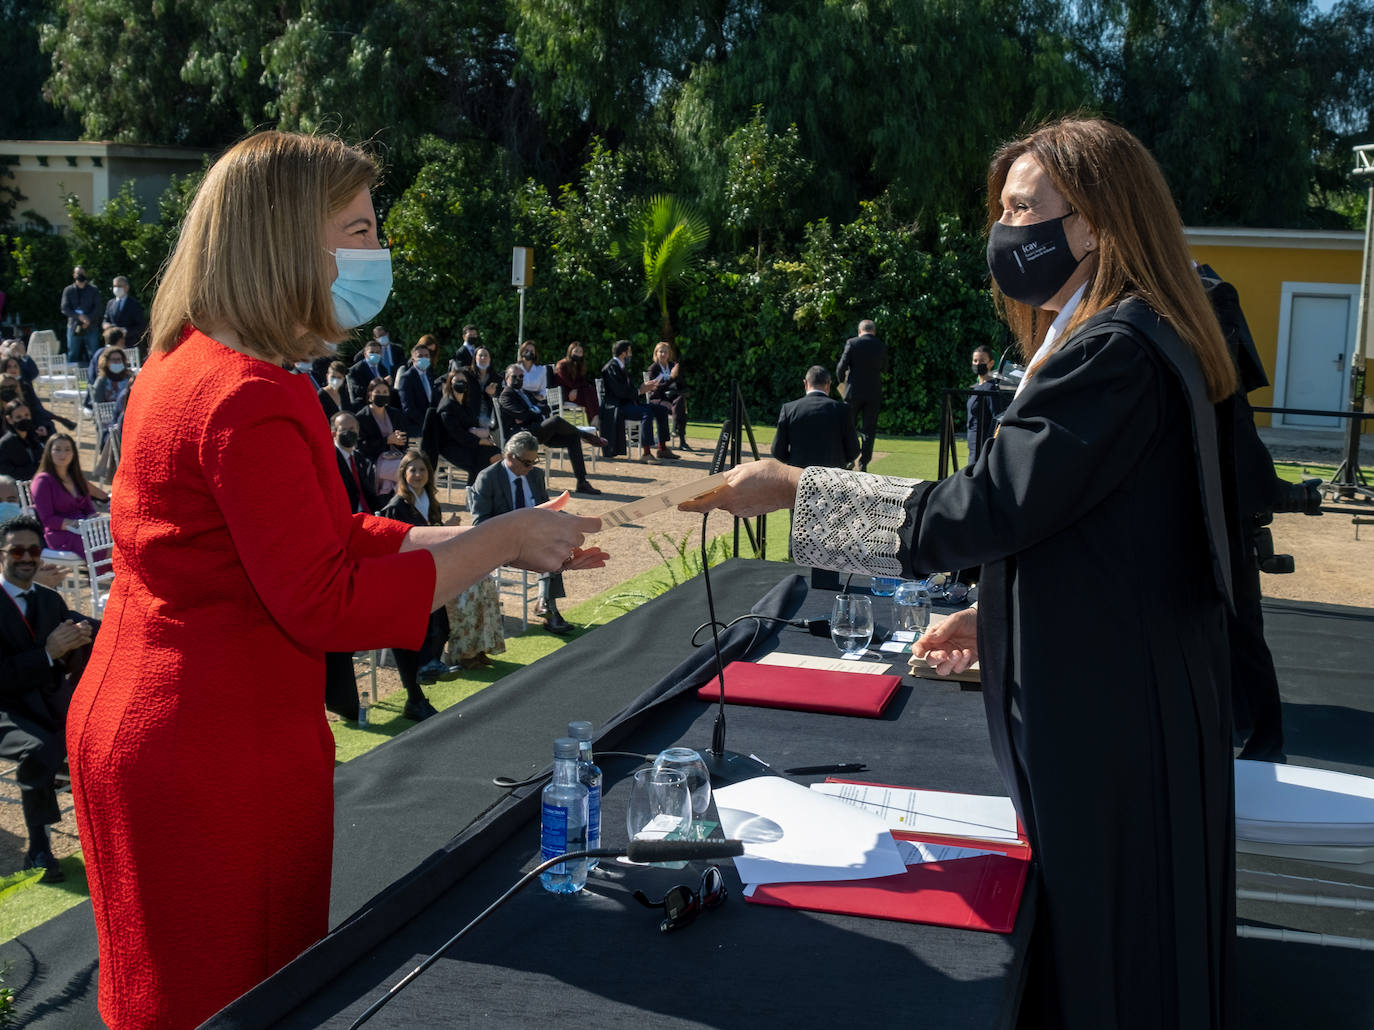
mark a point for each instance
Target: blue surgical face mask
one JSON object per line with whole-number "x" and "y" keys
{"x": 116, "y": 367}
{"x": 9, "y": 510}
{"x": 363, "y": 285}
{"x": 374, "y": 359}
{"x": 422, "y": 363}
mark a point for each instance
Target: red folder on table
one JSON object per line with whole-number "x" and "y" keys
{"x": 979, "y": 893}
{"x": 804, "y": 690}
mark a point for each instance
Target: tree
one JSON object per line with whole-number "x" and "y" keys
{"x": 764, "y": 176}
{"x": 671, "y": 235}
{"x": 27, "y": 114}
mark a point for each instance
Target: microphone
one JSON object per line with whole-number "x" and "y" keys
{"x": 635, "y": 851}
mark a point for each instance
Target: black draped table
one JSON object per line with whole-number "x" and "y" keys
{"x": 424, "y": 841}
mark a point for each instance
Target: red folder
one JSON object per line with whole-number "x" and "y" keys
{"x": 804, "y": 690}
{"x": 981, "y": 893}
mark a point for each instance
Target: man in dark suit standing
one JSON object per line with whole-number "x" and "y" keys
{"x": 861, "y": 369}
{"x": 816, "y": 430}
{"x": 517, "y": 481}
{"x": 126, "y": 312}
{"x": 393, "y": 357}
{"x": 40, "y": 660}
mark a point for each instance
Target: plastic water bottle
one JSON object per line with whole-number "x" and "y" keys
{"x": 364, "y": 702}
{"x": 590, "y": 775}
{"x": 563, "y": 821}
{"x": 911, "y": 608}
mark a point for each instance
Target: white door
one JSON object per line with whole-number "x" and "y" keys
{"x": 1316, "y": 339}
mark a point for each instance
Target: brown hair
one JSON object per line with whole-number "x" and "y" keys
{"x": 429, "y": 342}
{"x": 1107, "y": 175}
{"x": 114, "y": 336}
{"x": 403, "y": 488}
{"x": 251, "y": 256}
{"x": 46, "y": 464}
{"x": 102, "y": 366}
{"x": 453, "y": 381}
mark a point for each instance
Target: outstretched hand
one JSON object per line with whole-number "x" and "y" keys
{"x": 754, "y": 488}
{"x": 951, "y": 646}
{"x": 550, "y": 539}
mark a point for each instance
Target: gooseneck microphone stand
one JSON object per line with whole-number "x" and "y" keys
{"x": 636, "y": 851}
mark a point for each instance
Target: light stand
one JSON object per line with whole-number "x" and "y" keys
{"x": 1348, "y": 480}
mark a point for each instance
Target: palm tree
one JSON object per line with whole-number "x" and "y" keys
{"x": 672, "y": 234}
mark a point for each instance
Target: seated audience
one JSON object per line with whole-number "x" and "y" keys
{"x": 416, "y": 504}
{"x": 392, "y": 353}
{"x": 536, "y": 377}
{"x": 670, "y": 388}
{"x": 518, "y": 482}
{"x": 61, "y": 495}
{"x": 19, "y": 349}
{"x": 43, "y": 419}
{"x": 354, "y": 468}
{"x": 334, "y": 395}
{"x": 113, "y": 336}
{"x": 484, "y": 384}
{"x": 21, "y": 447}
{"x": 519, "y": 412}
{"x": 817, "y": 429}
{"x": 466, "y": 356}
{"x": 9, "y": 499}
{"x": 366, "y": 369}
{"x": 43, "y": 648}
{"x": 417, "y": 391}
{"x": 381, "y": 424}
{"x": 622, "y": 402}
{"x": 578, "y": 389}
{"x": 461, "y": 440}
{"x": 112, "y": 374}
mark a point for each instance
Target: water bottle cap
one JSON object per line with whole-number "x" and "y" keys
{"x": 580, "y": 730}
{"x": 565, "y": 747}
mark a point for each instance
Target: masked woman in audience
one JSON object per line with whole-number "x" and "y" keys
{"x": 237, "y": 566}
{"x": 334, "y": 394}
{"x": 465, "y": 443}
{"x": 578, "y": 388}
{"x": 536, "y": 378}
{"x": 41, "y": 417}
{"x": 62, "y": 497}
{"x": 382, "y": 425}
{"x": 670, "y": 388}
{"x": 484, "y": 385}
{"x": 21, "y": 448}
{"x": 113, "y": 376}
{"x": 1109, "y": 710}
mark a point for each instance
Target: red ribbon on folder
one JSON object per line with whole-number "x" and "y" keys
{"x": 805, "y": 690}
{"x": 979, "y": 893}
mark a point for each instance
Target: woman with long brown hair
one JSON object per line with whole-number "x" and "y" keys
{"x": 578, "y": 388}
{"x": 238, "y": 564}
{"x": 62, "y": 497}
{"x": 1109, "y": 707}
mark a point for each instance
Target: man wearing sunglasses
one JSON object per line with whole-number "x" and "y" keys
{"x": 42, "y": 650}
{"x": 518, "y": 482}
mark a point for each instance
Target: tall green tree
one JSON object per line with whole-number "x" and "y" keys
{"x": 27, "y": 114}
{"x": 671, "y": 235}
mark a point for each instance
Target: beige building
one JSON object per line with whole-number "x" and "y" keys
{"x": 45, "y": 171}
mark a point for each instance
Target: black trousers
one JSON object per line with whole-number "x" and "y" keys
{"x": 1256, "y": 709}
{"x": 649, "y": 416}
{"x": 558, "y": 432}
{"x": 40, "y": 752}
{"x": 865, "y": 411}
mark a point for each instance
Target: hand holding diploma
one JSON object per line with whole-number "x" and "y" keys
{"x": 754, "y": 488}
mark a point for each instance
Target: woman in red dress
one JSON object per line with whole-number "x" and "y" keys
{"x": 202, "y": 763}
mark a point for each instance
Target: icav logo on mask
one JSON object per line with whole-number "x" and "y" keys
{"x": 1036, "y": 249}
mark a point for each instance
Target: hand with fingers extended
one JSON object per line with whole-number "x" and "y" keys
{"x": 950, "y": 646}
{"x": 549, "y": 539}
{"x": 754, "y": 488}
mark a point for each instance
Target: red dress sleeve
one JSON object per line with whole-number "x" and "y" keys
{"x": 318, "y": 570}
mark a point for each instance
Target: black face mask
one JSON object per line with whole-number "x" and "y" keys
{"x": 517, "y": 382}
{"x": 528, "y": 356}
{"x": 981, "y": 368}
{"x": 348, "y": 438}
{"x": 80, "y": 280}
{"x": 1031, "y": 263}
{"x": 381, "y": 400}
{"x": 9, "y": 395}
{"x": 22, "y": 425}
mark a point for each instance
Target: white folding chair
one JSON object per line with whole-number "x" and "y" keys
{"x": 520, "y": 585}
{"x": 574, "y": 415}
{"x": 25, "y": 495}
{"x": 72, "y": 565}
{"x": 99, "y": 547}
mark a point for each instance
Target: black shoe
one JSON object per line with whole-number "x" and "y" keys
{"x": 418, "y": 711}
{"x": 682, "y": 444}
{"x": 556, "y": 624}
{"x": 585, "y": 488}
{"x": 52, "y": 872}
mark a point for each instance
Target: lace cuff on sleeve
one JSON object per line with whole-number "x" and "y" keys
{"x": 850, "y": 521}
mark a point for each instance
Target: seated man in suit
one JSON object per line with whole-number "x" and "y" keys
{"x": 42, "y": 651}
{"x": 366, "y": 369}
{"x": 816, "y": 430}
{"x": 622, "y": 401}
{"x": 517, "y": 482}
{"x": 355, "y": 470}
{"x": 417, "y": 390}
{"x": 519, "y": 412}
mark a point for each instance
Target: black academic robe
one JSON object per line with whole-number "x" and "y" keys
{"x": 1103, "y": 645}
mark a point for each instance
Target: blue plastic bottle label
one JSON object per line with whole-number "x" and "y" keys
{"x": 553, "y": 835}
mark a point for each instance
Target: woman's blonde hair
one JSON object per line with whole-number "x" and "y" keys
{"x": 1106, "y": 175}
{"x": 251, "y": 255}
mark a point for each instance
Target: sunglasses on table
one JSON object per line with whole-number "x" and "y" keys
{"x": 20, "y": 551}
{"x": 681, "y": 905}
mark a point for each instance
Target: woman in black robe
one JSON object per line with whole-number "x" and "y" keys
{"x": 1101, "y": 627}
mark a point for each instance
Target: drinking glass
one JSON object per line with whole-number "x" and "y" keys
{"x": 691, "y": 765}
{"x": 660, "y": 805}
{"x": 883, "y": 586}
{"x": 911, "y": 608}
{"x": 851, "y": 623}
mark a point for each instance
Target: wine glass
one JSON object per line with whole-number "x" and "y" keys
{"x": 691, "y": 765}
{"x": 660, "y": 805}
{"x": 851, "y": 623}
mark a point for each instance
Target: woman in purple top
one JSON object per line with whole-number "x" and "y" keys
{"x": 61, "y": 495}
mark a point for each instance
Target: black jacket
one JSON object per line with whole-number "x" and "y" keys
{"x": 862, "y": 366}
{"x": 816, "y": 430}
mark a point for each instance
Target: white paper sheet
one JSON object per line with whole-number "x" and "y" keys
{"x": 836, "y": 664}
{"x": 633, "y": 511}
{"x": 983, "y": 816}
{"x": 792, "y": 834}
{"x": 919, "y": 852}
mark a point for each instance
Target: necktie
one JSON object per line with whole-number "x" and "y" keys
{"x": 519, "y": 492}
{"x": 357, "y": 479}
{"x": 26, "y": 601}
